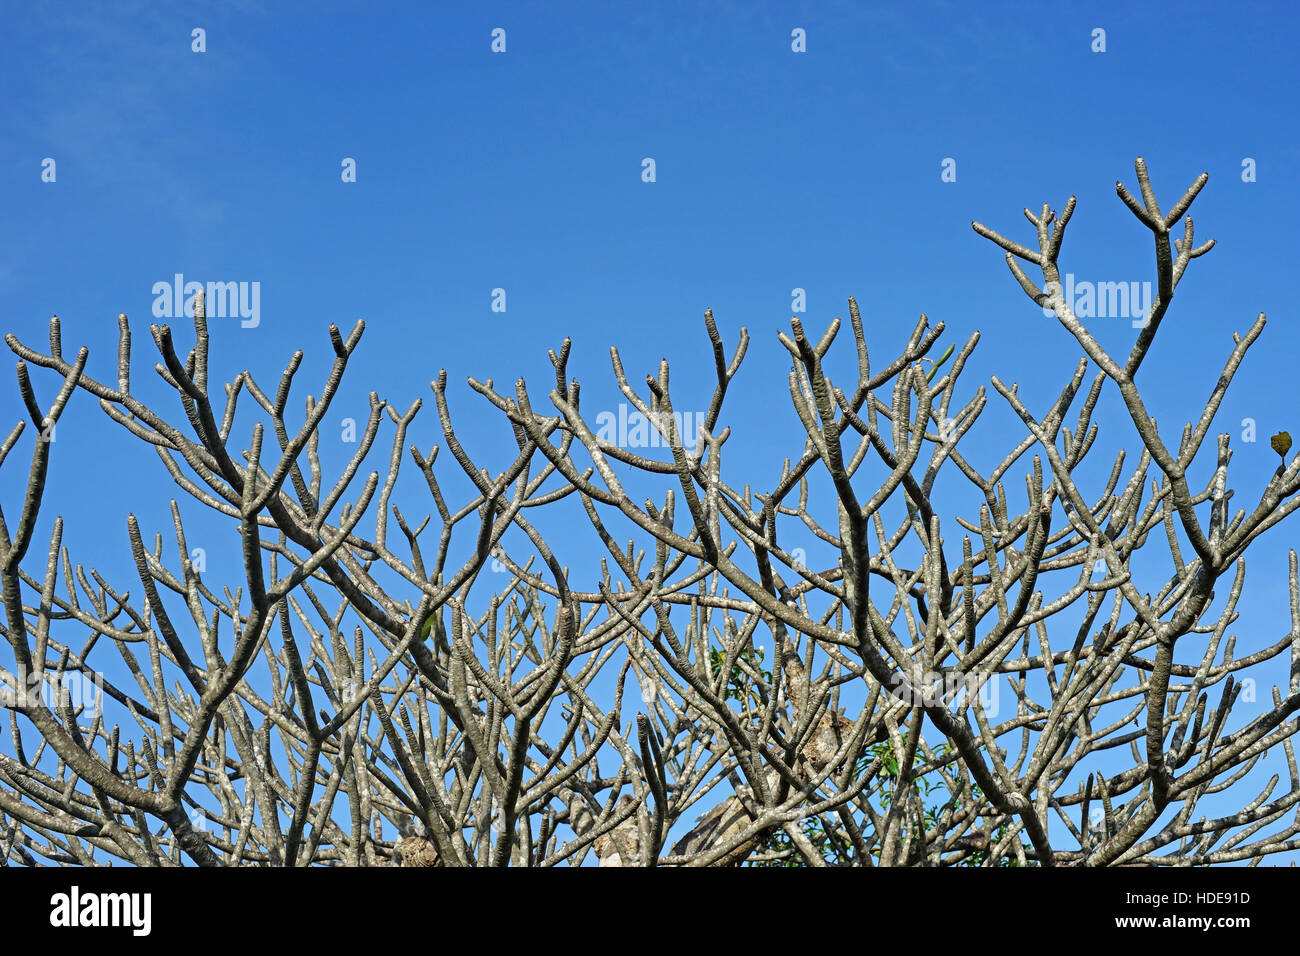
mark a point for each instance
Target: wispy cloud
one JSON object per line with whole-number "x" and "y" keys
{"x": 107, "y": 95}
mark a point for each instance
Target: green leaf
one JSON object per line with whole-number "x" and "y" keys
{"x": 1281, "y": 443}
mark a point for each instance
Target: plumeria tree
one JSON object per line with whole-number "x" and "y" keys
{"x": 953, "y": 685}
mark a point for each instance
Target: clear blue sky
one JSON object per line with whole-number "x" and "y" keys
{"x": 774, "y": 170}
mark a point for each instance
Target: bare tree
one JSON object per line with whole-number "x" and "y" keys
{"x": 453, "y": 726}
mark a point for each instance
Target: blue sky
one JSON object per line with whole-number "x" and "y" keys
{"x": 522, "y": 171}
